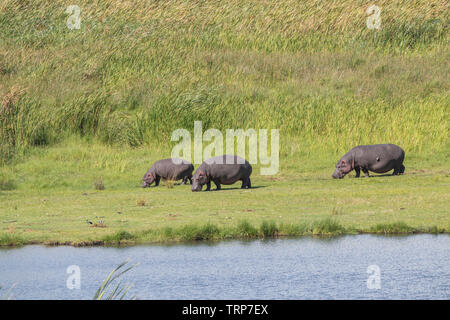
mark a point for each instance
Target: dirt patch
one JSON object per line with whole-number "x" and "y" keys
{"x": 99, "y": 225}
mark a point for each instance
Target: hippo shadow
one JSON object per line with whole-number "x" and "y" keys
{"x": 383, "y": 175}
{"x": 236, "y": 188}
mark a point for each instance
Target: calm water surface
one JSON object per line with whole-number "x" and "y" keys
{"x": 411, "y": 267}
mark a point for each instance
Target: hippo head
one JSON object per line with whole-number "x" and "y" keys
{"x": 148, "y": 179}
{"x": 342, "y": 168}
{"x": 198, "y": 180}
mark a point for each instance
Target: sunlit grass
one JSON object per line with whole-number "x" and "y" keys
{"x": 112, "y": 288}
{"x": 53, "y": 197}
{"x": 8, "y": 239}
{"x": 133, "y": 73}
{"x": 84, "y": 113}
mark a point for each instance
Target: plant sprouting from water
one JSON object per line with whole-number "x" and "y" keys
{"x": 111, "y": 291}
{"x": 7, "y": 295}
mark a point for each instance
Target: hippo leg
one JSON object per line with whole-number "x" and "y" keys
{"x": 184, "y": 180}
{"x": 395, "y": 173}
{"x": 398, "y": 170}
{"x": 357, "y": 170}
{"x": 217, "y": 183}
{"x": 190, "y": 180}
{"x": 157, "y": 179}
{"x": 208, "y": 186}
{"x": 246, "y": 183}
{"x": 366, "y": 172}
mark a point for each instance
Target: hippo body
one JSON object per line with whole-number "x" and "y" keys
{"x": 168, "y": 169}
{"x": 379, "y": 158}
{"x": 226, "y": 169}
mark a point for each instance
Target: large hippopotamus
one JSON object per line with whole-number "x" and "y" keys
{"x": 226, "y": 169}
{"x": 168, "y": 169}
{"x": 379, "y": 158}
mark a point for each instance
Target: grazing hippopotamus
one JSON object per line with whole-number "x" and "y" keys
{"x": 379, "y": 158}
{"x": 168, "y": 169}
{"x": 224, "y": 169}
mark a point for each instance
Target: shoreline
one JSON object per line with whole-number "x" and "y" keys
{"x": 300, "y": 201}
{"x": 126, "y": 239}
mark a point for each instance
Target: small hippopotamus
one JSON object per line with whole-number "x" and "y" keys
{"x": 168, "y": 169}
{"x": 225, "y": 169}
{"x": 379, "y": 158}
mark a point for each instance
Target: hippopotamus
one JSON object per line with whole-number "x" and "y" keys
{"x": 225, "y": 169}
{"x": 168, "y": 169}
{"x": 379, "y": 158}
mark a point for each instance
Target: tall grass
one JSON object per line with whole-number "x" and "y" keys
{"x": 118, "y": 237}
{"x": 245, "y": 230}
{"x": 6, "y": 295}
{"x": 394, "y": 228}
{"x": 323, "y": 227}
{"x": 269, "y": 229}
{"x": 9, "y": 239}
{"x": 112, "y": 288}
{"x": 136, "y": 71}
{"x": 327, "y": 226}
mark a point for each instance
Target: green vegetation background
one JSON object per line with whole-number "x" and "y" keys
{"x": 100, "y": 104}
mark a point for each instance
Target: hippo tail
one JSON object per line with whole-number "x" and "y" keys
{"x": 402, "y": 155}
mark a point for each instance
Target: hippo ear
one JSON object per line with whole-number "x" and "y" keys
{"x": 201, "y": 173}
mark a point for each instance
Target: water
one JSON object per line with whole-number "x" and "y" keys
{"x": 411, "y": 267}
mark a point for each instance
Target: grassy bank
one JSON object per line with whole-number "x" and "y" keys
{"x": 84, "y": 113}
{"x": 55, "y": 190}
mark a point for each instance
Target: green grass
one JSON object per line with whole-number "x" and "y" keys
{"x": 269, "y": 229}
{"x": 327, "y": 226}
{"x": 84, "y": 113}
{"x": 54, "y": 197}
{"x": 112, "y": 287}
{"x": 395, "y": 227}
{"x": 6, "y": 183}
{"x": 10, "y": 239}
{"x": 118, "y": 237}
{"x": 135, "y": 72}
